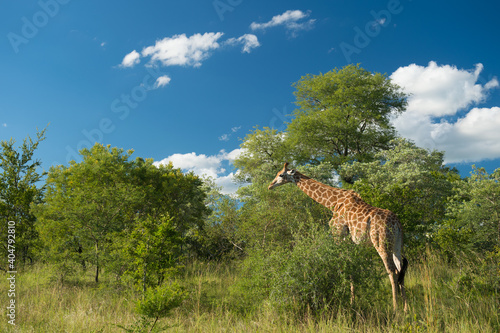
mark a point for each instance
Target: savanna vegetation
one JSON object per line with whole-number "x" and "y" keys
{"x": 114, "y": 243}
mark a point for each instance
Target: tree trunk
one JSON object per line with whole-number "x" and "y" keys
{"x": 97, "y": 262}
{"x": 80, "y": 251}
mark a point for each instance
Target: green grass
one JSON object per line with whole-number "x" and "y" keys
{"x": 442, "y": 298}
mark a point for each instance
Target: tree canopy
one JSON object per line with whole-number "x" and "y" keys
{"x": 343, "y": 115}
{"x": 91, "y": 206}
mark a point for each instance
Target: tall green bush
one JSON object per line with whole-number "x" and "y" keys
{"x": 313, "y": 273}
{"x": 20, "y": 186}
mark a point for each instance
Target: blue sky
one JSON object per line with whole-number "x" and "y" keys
{"x": 184, "y": 81}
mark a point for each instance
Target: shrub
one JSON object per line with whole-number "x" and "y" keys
{"x": 156, "y": 303}
{"x": 314, "y": 273}
{"x": 159, "y": 301}
{"x": 317, "y": 273}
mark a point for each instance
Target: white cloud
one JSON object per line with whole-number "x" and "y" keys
{"x": 476, "y": 136}
{"x": 201, "y": 165}
{"x": 437, "y": 95}
{"x": 162, "y": 81}
{"x": 227, "y": 136}
{"x": 131, "y": 59}
{"x": 207, "y": 166}
{"x": 234, "y": 154}
{"x": 249, "y": 42}
{"x": 290, "y": 19}
{"x": 180, "y": 50}
{"x": 440, "y": 90}
{"x": 227, "y": 183}
{"x": 183, "y": 51}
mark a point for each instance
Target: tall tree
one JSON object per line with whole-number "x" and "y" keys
{"x": 19, "y": 188}
{"x": 86, "y": 203}
{"x": 169, "y": 191}
{"x": 93, "y": 206}
{"x": 344, "y": 116}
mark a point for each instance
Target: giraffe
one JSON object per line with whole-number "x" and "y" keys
{"x": 352, "y": 215}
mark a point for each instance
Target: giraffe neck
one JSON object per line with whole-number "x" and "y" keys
{"x": 325, "y": 195}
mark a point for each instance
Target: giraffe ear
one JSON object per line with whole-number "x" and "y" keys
{"x": 292, "y": 172}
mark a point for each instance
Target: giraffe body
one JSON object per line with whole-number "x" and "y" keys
{"x": 365, "y": 223}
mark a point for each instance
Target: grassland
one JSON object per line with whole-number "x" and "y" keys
{"x": 442, "y": 298}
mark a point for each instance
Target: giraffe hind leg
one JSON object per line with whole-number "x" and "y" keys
{"x": 392, "y": 277}
{"x": 392, "y": 270}
{"x": 401, "y": 282}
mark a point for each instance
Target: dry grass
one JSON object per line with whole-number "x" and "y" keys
{"x": 437, "y": 304}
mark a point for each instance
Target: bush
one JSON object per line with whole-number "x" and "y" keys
{"x": 157, "y": 303}
{"x": 314, "y": 273}
{"x": 317, "y": 273}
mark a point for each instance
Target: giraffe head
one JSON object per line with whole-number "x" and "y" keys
{"x": 284, "y": 176}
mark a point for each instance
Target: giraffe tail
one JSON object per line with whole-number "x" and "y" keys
{"x": 401, "y": 276}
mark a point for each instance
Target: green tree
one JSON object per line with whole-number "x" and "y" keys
{"x": 86, "y": 204}
{"x": 157, "y": 302}
{"x": 19, "y": 188}
{"x": 343, "y": 116}
{"x": 410, "y": 181}
{"x": 473, "y": 211}
{"x": 153, "y": 250}
{"x": 168, "y": 191}
{"x": 93, "y": 207}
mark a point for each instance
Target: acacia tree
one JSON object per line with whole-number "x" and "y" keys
{"x": 86, "y": 204}
{"x": 19, "y": 188}
{"x": 344, "y": 115}
{"x": 92, "y": 207}
{"x": 169, "y": 191}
